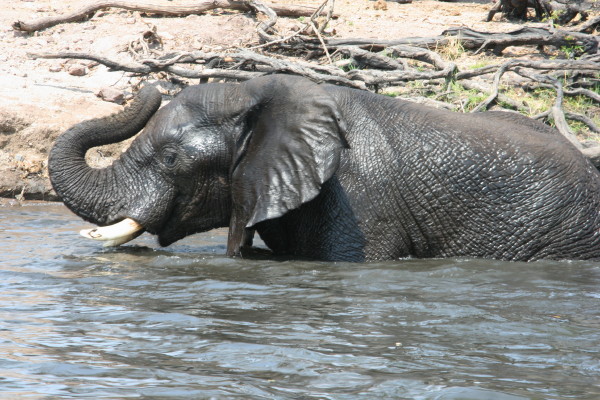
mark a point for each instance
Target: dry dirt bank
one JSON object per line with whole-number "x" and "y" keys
{"x": 41, "y": 98}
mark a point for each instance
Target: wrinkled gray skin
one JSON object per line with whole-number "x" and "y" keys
{"x": 332, "y": 173}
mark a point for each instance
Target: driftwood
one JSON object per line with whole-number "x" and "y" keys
{"x": 473, "y": 40}
{"x": 264, "y": 27}
{"x": 517, "y": 9}
{"x": 588, "y": 26}
{"x": 248, "y": 64}
{"x": 371, "y": 64}
{"x": 159, "y": 8}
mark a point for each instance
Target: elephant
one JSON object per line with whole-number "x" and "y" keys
{"x": 331, "y": 173}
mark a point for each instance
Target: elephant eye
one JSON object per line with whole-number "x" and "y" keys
{"x": 169, "y": 159}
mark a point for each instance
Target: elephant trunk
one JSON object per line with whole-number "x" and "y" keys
{"x": 93, "y": 193}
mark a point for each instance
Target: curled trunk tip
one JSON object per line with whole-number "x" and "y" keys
{"x": 82, "y": 188}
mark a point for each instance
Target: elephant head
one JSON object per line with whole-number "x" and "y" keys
{"x": 216, "y": 155}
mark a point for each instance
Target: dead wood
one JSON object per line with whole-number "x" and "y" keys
{"x": 239, "y": 66}
{"x": 371, "y": 64}
{"x": 371, "y": 69}
{"x": 588, "y": 26}
{"x": 495, "y": 87}
{"x": 581, "y": 67}
{"x": 249, "y": 64}
{"x": 585, "y": 92}
{"x": 515, "y": 64}
{"x": 517, "y": 9}
{"x": 529, "y": 36}
{"x": 316, "y": 24}
{"x": 264, "y": 27}
{"x": 561, "y": 13}
{"x": 473, "y": 40}
{"x": 310, "y": 24}
{"x": 583, "y": 119}
{"x": 159, "y": 8}
{"x": 556, "y": 112}
{"x": 376, "y": 78}
{"x": 363, "y": 58}
{"x": 502, "y": 98}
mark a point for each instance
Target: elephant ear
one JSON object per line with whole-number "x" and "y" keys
{"x": 291, "y": 146}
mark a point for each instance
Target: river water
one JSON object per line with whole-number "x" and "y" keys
{"x": 185, "y": 322}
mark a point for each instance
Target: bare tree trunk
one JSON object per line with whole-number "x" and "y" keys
{"x": 153, "y": 7}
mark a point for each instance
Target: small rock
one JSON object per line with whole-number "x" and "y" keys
{"x": 55, "y": 68}
{"x": 77, "y": 70}
{"x": 19, "y": 73}
{"x": 111, "y": 94}
{"x": 380, "y": 5}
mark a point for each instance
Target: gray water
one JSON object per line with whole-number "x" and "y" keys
{"x": 185, "y": 322}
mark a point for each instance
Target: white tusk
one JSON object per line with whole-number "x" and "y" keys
{"x": 116, "y": 234}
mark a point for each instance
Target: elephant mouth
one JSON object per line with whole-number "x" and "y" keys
{"x": 116, "y": 234}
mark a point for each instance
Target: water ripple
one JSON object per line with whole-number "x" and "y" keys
{"x": 79, "y": 321}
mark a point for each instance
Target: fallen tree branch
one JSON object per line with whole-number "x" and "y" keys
{"x": 375, "y": 66}
{"x": 584, "y": 92}
{"x": 479, "y": 41}
{"x": 572, "y": 92}
{"x": 318, "y": 11}
{"x": 261, "y": 65}
{"x": 529, "y": 36}
{"x": 423, "y": 55}
{"x": 152, "y": 7}
{"x": 377, "y": 78}
{"x": 483, "y": 88}
{"x": 395, "y": 71}
{"x": 569, "y": 115}
{"x": 134, "y": 67}
{"x": 558, "y": 65}
{"x": 588, "y": 26}
{"x": 330, "y": 5}
{"x": 584, "y": 120}
{"x": 559, "y": 115}
{"x": 495, "y": 87}
{"x": 318, "y": 33}
{"x": 561, "y": 13}
{"x": 563, "y": 65}
{"x": 264, "y": 26}
{"x": 362, "y": 57}
{"x": 556, "y": 111}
